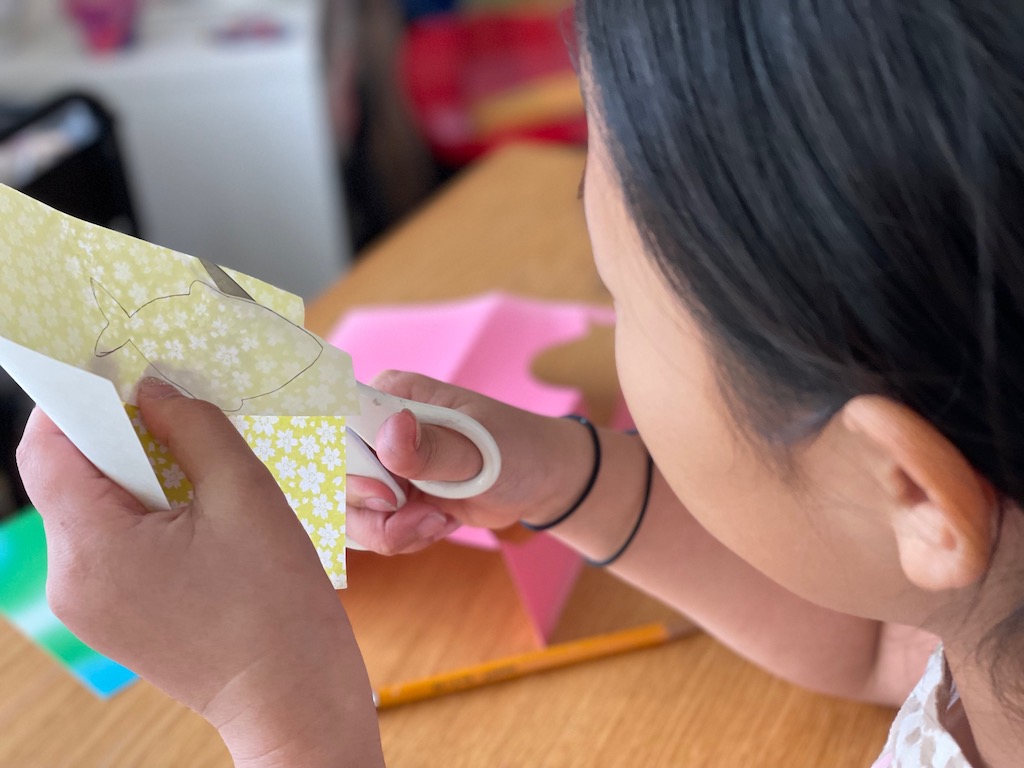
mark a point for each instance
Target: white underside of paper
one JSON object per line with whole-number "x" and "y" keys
{"x": 88, "y": 410}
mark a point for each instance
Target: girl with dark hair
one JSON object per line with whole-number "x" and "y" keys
{"x": 809, "y": 215}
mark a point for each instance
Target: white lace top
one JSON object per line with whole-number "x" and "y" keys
{"x": 919, "y": 737}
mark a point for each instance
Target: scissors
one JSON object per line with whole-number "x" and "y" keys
{"x": 376, "y": 407}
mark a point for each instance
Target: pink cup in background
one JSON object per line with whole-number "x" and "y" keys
{"x": 106, "y": 25}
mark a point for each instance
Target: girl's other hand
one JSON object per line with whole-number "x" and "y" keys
{"x": 223, "y": 603}
{"x": 545, "y": 462}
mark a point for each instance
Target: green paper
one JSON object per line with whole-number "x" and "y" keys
{"x": 23, "y": 602}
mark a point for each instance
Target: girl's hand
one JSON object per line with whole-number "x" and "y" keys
{"x": 222, "y": 604}
{"x": 545, "y": 464}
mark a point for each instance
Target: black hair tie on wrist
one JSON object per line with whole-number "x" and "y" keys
{"x": 636, "y": 526}
{"x": 590, "y": 482}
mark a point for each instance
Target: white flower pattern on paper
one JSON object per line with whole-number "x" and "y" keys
{"x": 264, "y": 425}
{"x": 331, "y": 459}
{"x": 322, "y": 517}
{"x": 241, "y": 380}
{"x": 285, "y": 467}
{"x": 309, "y": 446}
{"x": 328, "y": 535}
{"x": 327, "y": 432}
{"x": 326, "y": 559}
{"x": 322, "y": 506}
{"x": 311, "y": 477}
{"x": 286, "y": 440}
{"x": 263, "y": 448}
{"x": 172, "y": 477}
{"x": 174, "y": 349}
{"x": 52, "y": 261}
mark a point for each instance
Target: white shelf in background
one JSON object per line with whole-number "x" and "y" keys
{"x": 227, "y": 144}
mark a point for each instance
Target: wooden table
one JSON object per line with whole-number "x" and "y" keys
{"x": 512, "y": 222}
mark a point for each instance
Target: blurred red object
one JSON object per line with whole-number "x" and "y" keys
{"x": 106, "y": 25}
{"x": 479, "y": 81}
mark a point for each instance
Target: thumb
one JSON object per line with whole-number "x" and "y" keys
{"x": 207, "y": 447}
{"x": 426, "y": 452}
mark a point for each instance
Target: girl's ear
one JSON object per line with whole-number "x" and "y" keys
{"x": 944, "y": 514}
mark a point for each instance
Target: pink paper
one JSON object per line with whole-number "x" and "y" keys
{"x": 487, "y": 344}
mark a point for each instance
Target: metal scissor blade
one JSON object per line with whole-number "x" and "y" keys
{"x": 224, "y": 282}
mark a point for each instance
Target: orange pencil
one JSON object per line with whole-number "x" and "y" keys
{"x": 514, "y": 667}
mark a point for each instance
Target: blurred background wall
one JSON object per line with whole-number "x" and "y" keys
{"x": 278, "y": 137}
{"x": 221, "y": 122}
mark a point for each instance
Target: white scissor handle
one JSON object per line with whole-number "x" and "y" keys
{"x": 378, "y": 406}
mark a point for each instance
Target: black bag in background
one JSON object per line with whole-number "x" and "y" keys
{"x": 65, "y": 155}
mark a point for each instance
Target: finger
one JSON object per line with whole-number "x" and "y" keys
{"x": 411, "y": 528}
{"x": 207, "y": 447}
{"x": 415, "y": 386}
{"x": 64, "y": 486}
{"x": 370, "y": 494}
{"x": 426, "y": 452}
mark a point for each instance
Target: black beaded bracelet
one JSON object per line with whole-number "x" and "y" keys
{"x": 636, "y": 526}
{"x": 590, "y": 482}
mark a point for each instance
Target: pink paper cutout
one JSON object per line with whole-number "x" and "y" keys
{"x": 544, "y": 571}
{"x": 478, "y": 538}
{"x": 487, "y": 344}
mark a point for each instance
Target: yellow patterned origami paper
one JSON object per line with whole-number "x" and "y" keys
{"x": 79, "y": 302}
{"x": 307, "y": 458}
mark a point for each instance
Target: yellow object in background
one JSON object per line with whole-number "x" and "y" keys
{"x": 514, "y": 667}
{"x": 546, "y": 99}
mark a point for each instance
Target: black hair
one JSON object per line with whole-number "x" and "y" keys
{"x": 836, "y": 189}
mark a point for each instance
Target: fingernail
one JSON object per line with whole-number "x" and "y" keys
{"x": 431, "y": 525}
{"x": 157, "y": 389}
{"x": 379, "y": 505}
{"x": 419, "y": 431}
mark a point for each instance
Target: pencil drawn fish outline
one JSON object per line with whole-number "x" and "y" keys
{"x": 122, "y": 328}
